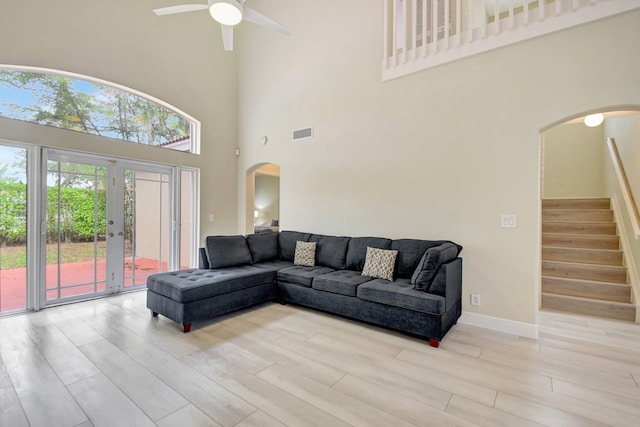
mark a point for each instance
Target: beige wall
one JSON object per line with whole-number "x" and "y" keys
{"x": 573, "y": 161}
{"x": 439, "y": 154}
{"x": 178, "y": 59}
{"x": 626, "y": 131}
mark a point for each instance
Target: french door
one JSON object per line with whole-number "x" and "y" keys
{"x": 109, "y": 225}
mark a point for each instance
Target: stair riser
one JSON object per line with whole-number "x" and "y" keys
{"x": 596, "y": 215}
{"x": 576, "y": 204}
{"x": 581, "y": 241}
{"x": 585, "y": 272}
{"x": 585, "y": 256}
{"x": 586, "y": 290}
{"x": 579, "y": 228}
{"x": 599, "y": 309}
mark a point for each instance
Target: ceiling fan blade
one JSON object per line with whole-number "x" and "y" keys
{"x": 259, "y": 19}
{"x": 180, "y": 9}
{"x": 227, "y": 37}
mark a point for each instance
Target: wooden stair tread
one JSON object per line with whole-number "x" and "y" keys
{"x": 593, "y": 307}
{"x": 583, "y": 255}
{"x": 604, "y": 273}
{"x": 592, "y": 241}
{"x": 592, "y": 289}
{"x": 603, "y": 203}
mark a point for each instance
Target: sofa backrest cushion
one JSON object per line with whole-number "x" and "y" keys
{"x": 264, "y": 247}
{"x": 227, "y": 251}
{"x": 331, "y": 251}
{"x": 410, "y": 252}
{"x": 430, "y": 263}
{"x": 287, "y": 242}
{"x": 357, "y": 250}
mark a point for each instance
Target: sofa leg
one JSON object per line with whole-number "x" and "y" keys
{"x": 434, "y": 342}
{"x": 186, "y": 328}
{"x": 154, "y": 314}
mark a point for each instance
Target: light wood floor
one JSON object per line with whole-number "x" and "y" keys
{"x": 108, "y": 363}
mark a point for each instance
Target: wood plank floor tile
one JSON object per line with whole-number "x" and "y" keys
{"x": 342, "y": 406}
{"x": 11, "y": 413}
{"x": 259, "y": 419}
{"x": 540, "y": 413}
{"x": 485, "y": 415}
{"x": 222, "y": 406}
{"x": 187, "y": 416}
{"x": 106, "y": 405}
{"x": 44, "y": 398}
{"x": 279, "y": 404}
{"x": 410, "y": 410}
{"x": 153, "y": 396}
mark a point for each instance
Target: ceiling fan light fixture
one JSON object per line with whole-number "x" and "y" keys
{"x": 226, "y": 12}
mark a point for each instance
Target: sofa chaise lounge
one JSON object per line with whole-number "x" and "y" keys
{"x": 422, "y": 297}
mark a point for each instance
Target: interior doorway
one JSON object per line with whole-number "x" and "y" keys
{"x": 263, "y": 198}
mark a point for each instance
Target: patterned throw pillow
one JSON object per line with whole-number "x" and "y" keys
{"x": 379, "y": 263}
{"x": 305, "y": 254}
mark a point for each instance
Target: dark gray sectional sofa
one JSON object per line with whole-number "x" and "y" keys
{"x": 236, "y": 272}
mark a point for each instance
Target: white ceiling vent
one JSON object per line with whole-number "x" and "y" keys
{"x": 305, "y": 133}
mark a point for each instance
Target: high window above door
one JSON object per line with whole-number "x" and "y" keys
{"x": 89, "y": 105}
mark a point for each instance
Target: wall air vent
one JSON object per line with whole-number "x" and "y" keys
{"x": 305, "y": 133}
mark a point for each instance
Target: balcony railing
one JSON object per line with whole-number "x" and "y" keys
{"x": 420, "y": 34}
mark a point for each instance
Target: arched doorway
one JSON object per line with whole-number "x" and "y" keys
{"x": 263, "y": 198}
{"x": 589, "y": 249}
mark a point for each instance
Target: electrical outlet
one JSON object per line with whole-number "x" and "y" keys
{"x": 475, "y": 299}
{"x": 508, "y": 221}
{"x": 211, "y": 217}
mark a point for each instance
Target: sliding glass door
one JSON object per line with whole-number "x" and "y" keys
{"x": 13, "y": 228}
{"x": 109, "y": 225}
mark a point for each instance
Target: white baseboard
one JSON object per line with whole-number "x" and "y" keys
{"x": 526, "y": 330}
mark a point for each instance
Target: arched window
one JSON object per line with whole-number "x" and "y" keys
{"x": 85, "y": 104}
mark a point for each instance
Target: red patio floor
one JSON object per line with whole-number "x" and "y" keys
{"x": 13, "y": 294}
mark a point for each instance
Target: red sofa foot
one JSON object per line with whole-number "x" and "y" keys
{"x": 186, "y": 328}
{"x": 434, "y": 342}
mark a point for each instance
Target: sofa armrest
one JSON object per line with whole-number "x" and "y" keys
{"x": 448, "y": 282}
{"x": 203, "y": 261}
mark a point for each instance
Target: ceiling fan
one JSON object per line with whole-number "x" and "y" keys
{"x": 228, "y": 13}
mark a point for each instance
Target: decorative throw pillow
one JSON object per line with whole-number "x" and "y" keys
{"x": 379, "y": 263}
{"x": 305, "y": 254}
{"x": 274, "y": 223}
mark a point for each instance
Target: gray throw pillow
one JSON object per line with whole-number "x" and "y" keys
{"x": 305, "y": 254}
{"x": 379, "y": 263}
{"x": 430, "y": 262}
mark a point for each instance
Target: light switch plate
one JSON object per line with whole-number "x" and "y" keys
{"x": 508, "y": 221}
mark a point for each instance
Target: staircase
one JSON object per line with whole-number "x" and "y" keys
{"x": 582, "y": 264}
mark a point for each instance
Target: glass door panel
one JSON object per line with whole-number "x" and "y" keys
{"x": 147, "y": 212}
{"x": 13, "y": 228}
{"x": 76, "y": 263}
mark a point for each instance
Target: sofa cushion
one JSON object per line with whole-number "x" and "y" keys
{"x": 305, "y": 254}
{"x": 430, "y": 262}
{"x": 195, "y": 284}
{"x": 357, "y": 250}
{"x": 401, "y": 294}
{"x": 227, "y": 251}
{"x": 263, "y": 247}
{"x": 379, "y": 263}
{"x": 343, "y": 282}
{"x": 301, "y": 275}
{"x": 287, "y": 242}
{"x": 331, "y": 251}
{"x": 410, "y": 252}
{"x": 274, "y": 265}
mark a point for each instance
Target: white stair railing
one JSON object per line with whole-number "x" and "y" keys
{"x": 625, "y": 188}
{"x": 420, "y": 34}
